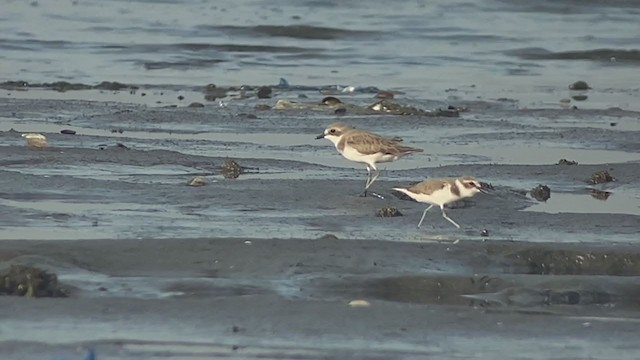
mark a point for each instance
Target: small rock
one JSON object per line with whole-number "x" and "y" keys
{"x": 122, "y": 146}
{"x": 388, "y": 212}
{"x": 331, "y": 101}
{"x": 541, "y": 193}
{"x": 359, "y": 303}
{"x": 196, "y": 105}
{"x": 180, "y": 97}
{"x": 579, "y": 97}
{"x": 231, "y": 169}
{"x": 197, "y": 181}
{"x": 613, "y": 124}
{"x": 264, "y": 92}
{"x": 567, "y": 162}
{"x": 68, "y": 132}
{"x": 600, "y": 177}
{"x": 579, "y": 85}
{"x": 484, "y": 233}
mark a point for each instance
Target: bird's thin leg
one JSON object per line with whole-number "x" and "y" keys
{"x": 448, "y": 218}
{"x": 373, "y": 178}
{"x": 423, "y": 215}
{"x": 366, "y": 186}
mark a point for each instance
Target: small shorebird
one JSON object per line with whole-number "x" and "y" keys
{"x": 35, "y": 140}
{"x": 441, "y": 192}
{"x": 365, "y": 147}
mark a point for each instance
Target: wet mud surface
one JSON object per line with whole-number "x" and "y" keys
{"x": 262, "y": 259}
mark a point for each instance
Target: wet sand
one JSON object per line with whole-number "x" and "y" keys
{"x": 264, "y": 266}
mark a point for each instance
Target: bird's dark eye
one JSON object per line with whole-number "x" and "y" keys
{"x": 333, "y": 131}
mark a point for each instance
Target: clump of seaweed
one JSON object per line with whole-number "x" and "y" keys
{"x": 541, "y": 192}
{"x": 231, "y": 169}
{"x": 600, "y": 177}
{"x": 28, "y": 281}
{"x": 388, "y": 212}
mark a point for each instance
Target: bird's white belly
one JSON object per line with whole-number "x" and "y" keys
{"x": 354, "y": 155}
{"x": 439, "y": 197}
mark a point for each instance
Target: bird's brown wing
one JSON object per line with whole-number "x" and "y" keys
{"x": 370, "y": 143}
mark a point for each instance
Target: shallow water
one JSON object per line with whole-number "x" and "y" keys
{"x": 524, "y": 50}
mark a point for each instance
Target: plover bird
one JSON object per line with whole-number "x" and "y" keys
{"x": 365, "y": 147}
{"x": 441, "y": 192}
{"x": 35, "y": 140}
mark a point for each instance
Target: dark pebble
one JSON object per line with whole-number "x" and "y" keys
{"x": 196, "y": 105}
{"x": 579, "y": 85}
{"x": 143, "y": 94}
{"x": 264, "y": 92}
{"x": 331, "y": 101}
{"x": 181, "y": 97}
{"x": 340, "y": 111}
{"x": 68, "y": 132}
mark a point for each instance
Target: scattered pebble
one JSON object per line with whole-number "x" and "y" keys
{"x": 484, "y": 233}
{"x": 567, "y": 162}
{"x": 541, "y": 193}
{"x": 613, "y": 124}
{"x": 600, "y": 177}
{"x": 579, "y": 97}
{"x": 231, "y": 169}
{"x": 180, "y": 97}
{"x": 579, "y": 85}
{"x": 359, "y": 303}
{"x": 340, "y": 111}
{"x": 35, "y": 140}
{"x": 247, "y": 242}
{"x": 388, "y": 212}
{"x": 197, "y": 181}
{"x": 67, "y": 132}
{"x": 196, "y": 105}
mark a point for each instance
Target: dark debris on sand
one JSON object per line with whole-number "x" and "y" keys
{"x": 600, "y": 177}
{"x": 29, "y": 281}
{"x": 541, "y": 192}
{"x": 231, "y": 169}
{"x": 388, "y": 212}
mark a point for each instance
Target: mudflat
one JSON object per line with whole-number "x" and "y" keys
{"x": 268, "y": 264}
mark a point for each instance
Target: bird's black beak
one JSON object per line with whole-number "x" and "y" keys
{"x": 321, "y": 136}
{"x": 485, "y": 188}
